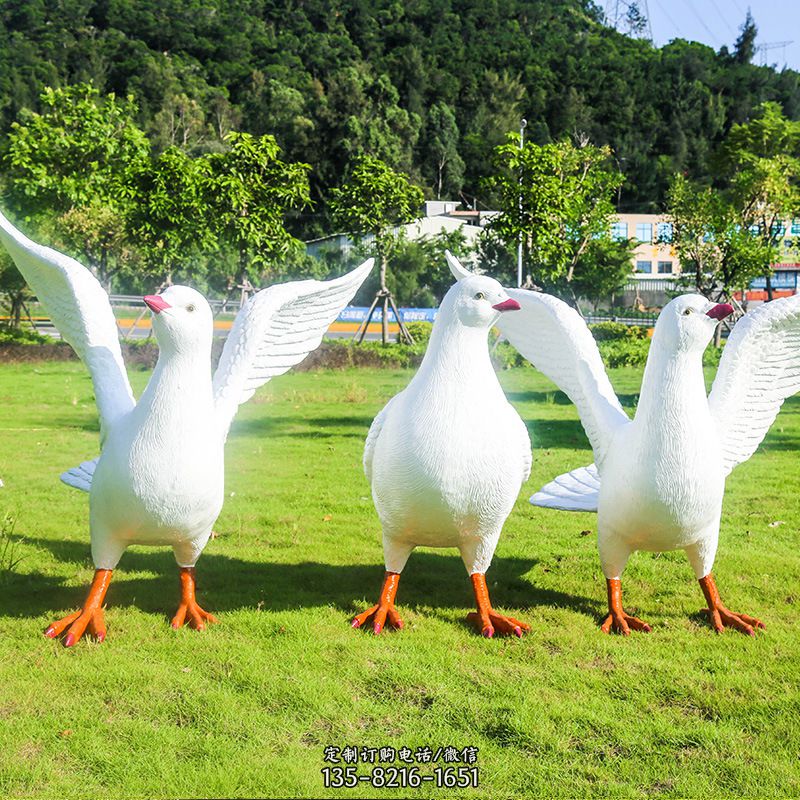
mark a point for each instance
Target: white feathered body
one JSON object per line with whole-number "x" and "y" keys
{"x": 160, "y": 479}
{"x": 662, "y": 479}
{"x": 160, "y": 476}
{"x": 658, "y": 480}
{"x": 447, "y": 456}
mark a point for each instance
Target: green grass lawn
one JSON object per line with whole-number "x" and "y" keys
{"x": 247, "y": 707}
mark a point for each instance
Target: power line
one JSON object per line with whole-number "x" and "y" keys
{"x": 723, "y": 17}
{"x": 671, "y": 21}
{"x": 701, "y": 20}
{"x": 738, "y": 7}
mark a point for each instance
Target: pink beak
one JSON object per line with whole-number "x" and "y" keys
{"x": 720, "y": 311}
{"x": 507, "y": 305}
{"x": 155, "y": 303}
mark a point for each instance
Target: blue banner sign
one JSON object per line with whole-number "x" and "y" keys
{"x": 359, "y": 314}
{"x": 781, "y": 279}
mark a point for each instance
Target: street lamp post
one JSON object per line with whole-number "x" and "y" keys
{"x": 523, "y": 124}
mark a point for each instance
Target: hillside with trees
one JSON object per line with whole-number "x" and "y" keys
{"x": 203, "y": 139}
{"x": 430, "y": 86}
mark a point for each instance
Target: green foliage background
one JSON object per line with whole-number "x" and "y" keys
{"x": 430, "y": 87}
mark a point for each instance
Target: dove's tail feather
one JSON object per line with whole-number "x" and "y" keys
{"x": 80, "y": 477}
{"x": 578, "y": 490}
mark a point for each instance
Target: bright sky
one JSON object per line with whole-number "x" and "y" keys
{"x": 717, "y": 23}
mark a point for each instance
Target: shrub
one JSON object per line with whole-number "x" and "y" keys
{"x": 610, "y": 331}
{"x": 420, "y": 331}
{"x": 9, "y": 335}
{"x": 629, "y": 352}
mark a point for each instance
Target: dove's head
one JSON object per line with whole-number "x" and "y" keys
{"x": 475, "y": 300}
{"x": 182, "y": 319}
{"x": 687, "y": 323}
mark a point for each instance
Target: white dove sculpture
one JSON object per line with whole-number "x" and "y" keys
{"x": 446, "y": 456}
{"x": 658, "y": 479}
{"x": 159, "y": 478}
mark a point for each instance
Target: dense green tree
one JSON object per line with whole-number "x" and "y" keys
{"x": 249, "y": 189}
{"x": 13, "y": 290}
{"x": 602, "y": 271}
{"x": 442, "y": 142}
{"x": 717, "y": 251}
{"x": 72, "y": 164}
{"x": 171, "y": 221}
{"x": 760, "y": 164}
{"x": 558, "y": 200}
{"x": 372, "y": 202}
{"x": 366, "y": 77}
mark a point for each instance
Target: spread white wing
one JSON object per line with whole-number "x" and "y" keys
{"x": 79, "y": 308}
{"x": 578, "y": 490}
{"x": 759, "y": 369}
{"x": 555, "y": 339}
{"x": 276, "y": 329}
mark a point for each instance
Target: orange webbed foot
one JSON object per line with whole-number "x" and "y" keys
{"x": 189, "y": 610}
{"x": 493, "y": 622}
{"x": 486, "y": 619}
{"x": 89, "y": 618}
{"x": 720, "y": 617}
{"x": 384, "y": 610}
{"x": 618, "y": 620}
{"x": 623, "y": 623}
{"x": 191, "y": 613}
{"x": 380, "y": 615}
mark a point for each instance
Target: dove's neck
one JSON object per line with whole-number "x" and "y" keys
{"x": 180, "y": 387}
{"x": 673, "y": 395}
{"x": 457, "y": 355}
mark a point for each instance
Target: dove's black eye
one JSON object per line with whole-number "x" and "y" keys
{"x": 480, "y": 296}
{"x": 687, "y": 312}
{"x": 190, "y": 307}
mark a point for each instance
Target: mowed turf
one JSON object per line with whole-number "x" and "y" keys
{"x": 247, "y": 707}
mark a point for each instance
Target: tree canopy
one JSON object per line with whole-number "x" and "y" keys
{"x": 423, "y": 86}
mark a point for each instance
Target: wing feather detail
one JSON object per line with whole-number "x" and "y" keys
{"x": 275, "y": 330}
{"x": 556, "y": 340}
{"x": 79, "y": 308}
{"x": 759, "y": 369}
{"x": 578, "y": 490}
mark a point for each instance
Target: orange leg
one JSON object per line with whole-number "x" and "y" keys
{"x": 720, "y": 617}
{"x": 188, "y": 607}
{"x": 617, "y": 620}
{"x": 485, "y": 619}
{"x": 90, "y": 616}
{"x": 385, "y": 607}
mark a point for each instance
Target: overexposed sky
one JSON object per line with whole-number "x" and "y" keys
{"x": 717, "y": 23}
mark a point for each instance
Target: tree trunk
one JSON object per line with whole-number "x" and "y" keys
{"x": 769, "y": 286}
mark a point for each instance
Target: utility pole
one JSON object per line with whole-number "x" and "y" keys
{"x": 523, "y": 124}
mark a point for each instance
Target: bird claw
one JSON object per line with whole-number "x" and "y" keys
{"x": 77, "y": 624}
{"x": 380, "y": 614}
{"x": 497, "y": 623}
{"x": 623, "y": 623}
{"x": 195, "y": 616}
{"x": 720, "y": 618}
